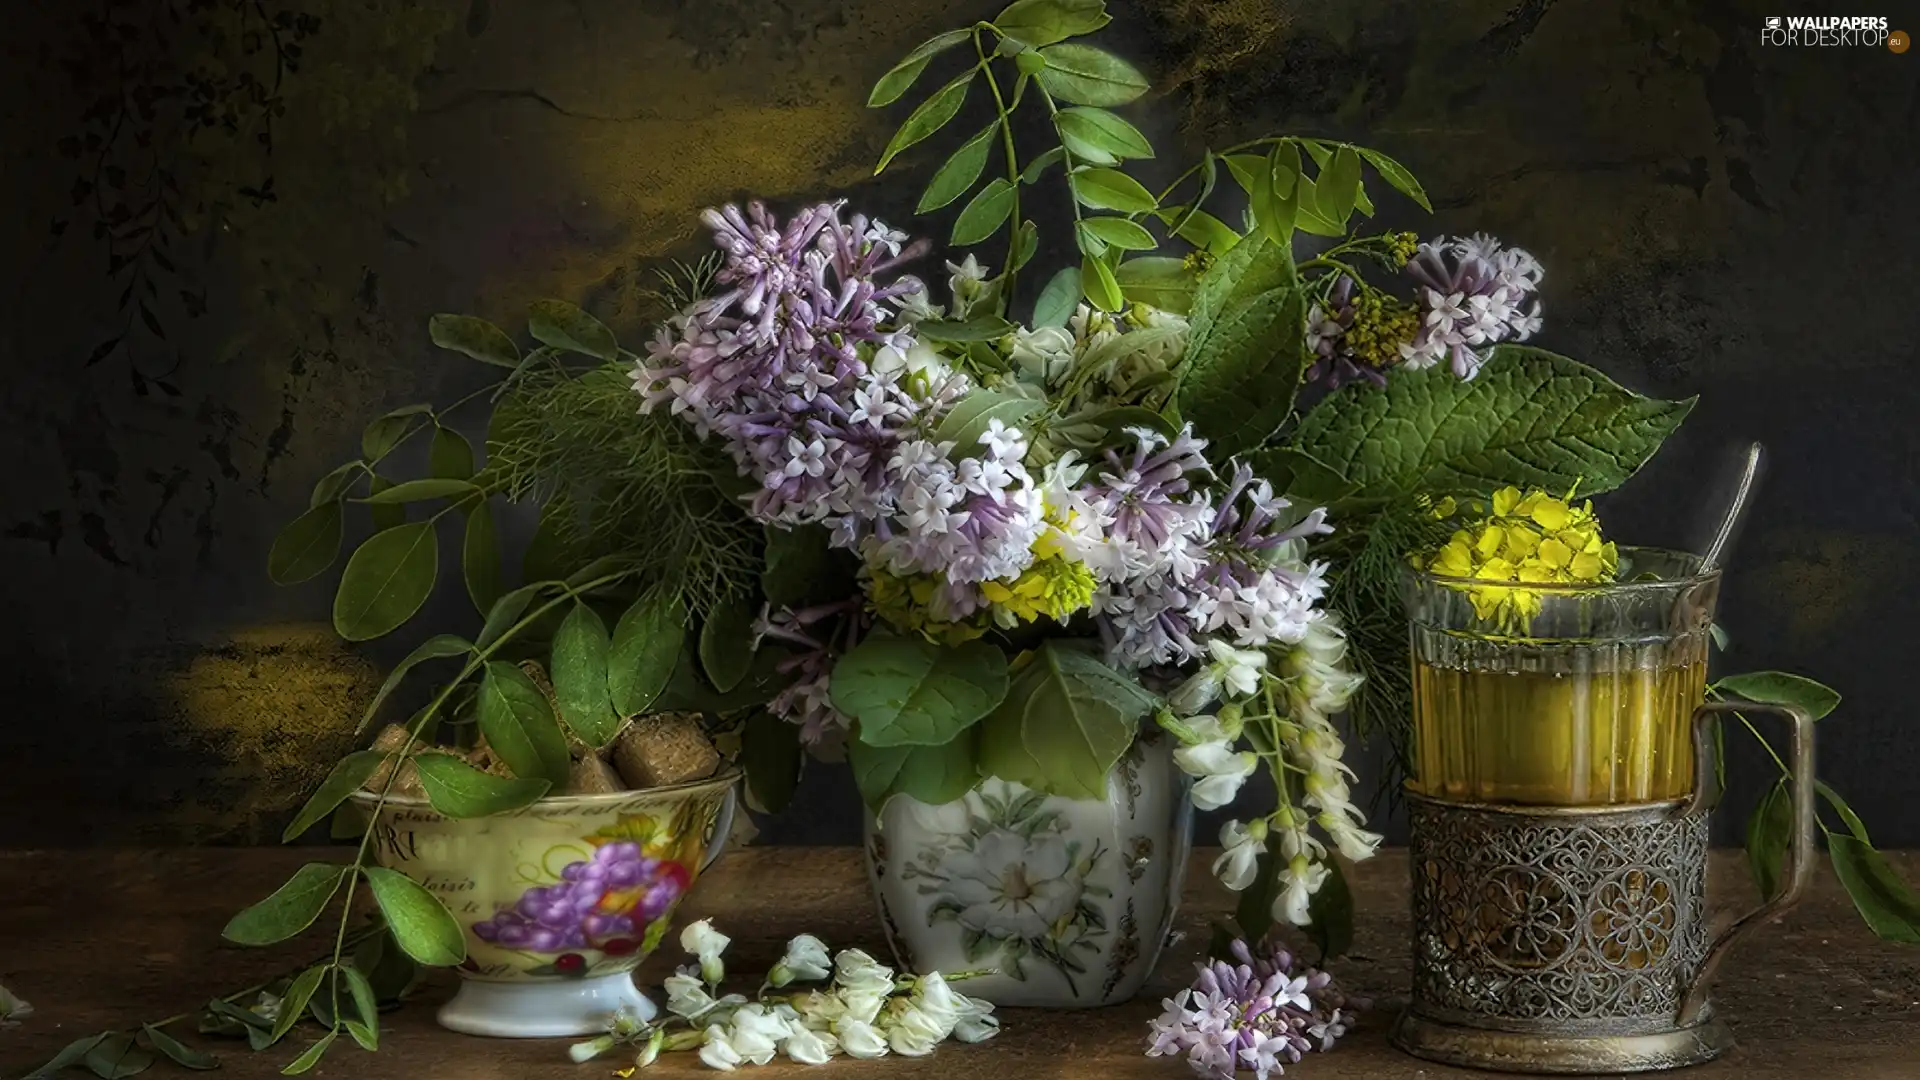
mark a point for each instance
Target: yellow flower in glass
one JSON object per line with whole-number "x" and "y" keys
{"x": 1522, "y": 539}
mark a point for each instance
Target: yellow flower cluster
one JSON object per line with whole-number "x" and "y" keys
{"x": 1402, "y": 247}
{"x": 1522, "y": 539}
{"x": 1053, "y": 587}
{"x": 906, "y": 603}
{"x": 1381, "y": 325}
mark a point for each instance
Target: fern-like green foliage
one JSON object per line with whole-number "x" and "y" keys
{"x": 614, "y": 482}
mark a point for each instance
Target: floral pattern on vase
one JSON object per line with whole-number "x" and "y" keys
{"x": 1052, "y": 892}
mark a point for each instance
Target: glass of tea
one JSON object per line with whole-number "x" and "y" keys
{"x": 1539, "y": 694}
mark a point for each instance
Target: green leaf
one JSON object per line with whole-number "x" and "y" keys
{"x": 1117, "y": 232}
{"x": 1330, "y": 914}
{"x": 1239, "y": 383}
{"x": 726, "y": 644}
{"x": 959, "y": 173}
{"x": 291, "y": 909}
{"x": 566, "y": 327}
{"x": 1085, "y": 75}
{"x": 310, "y": 1056}
{"x": 385, "y": 433}
{"x": 1158, "y": 281}
{"x": 770, "y": 750}
{"x": 1310, "y": 218}
{"x": 386, "y": 581}
{"x": 1530, "y": 419}
{"x": 1207, "y": 233}
{"x": 71, "y": 1054}
{"x": 116, "y": 1057}
{"x": 178, "y": 1052}
{"x": 1105, "y": 427}
{"x": 385, "y": 515}
{"x": 477, "y": 338}
{"x": 1111, "y": 189}
{"x": 1300, "y": 475}
{"x": 450, "y": 456}
{"x": 901, "y": 77}
{"x": 909, "y": 692}
{"x": 985, "y": 213}
{"x": 580, "y": 685}
{"x": 1026, "y": 241}
{"x": 645, "y": 650}
{"x": 687, "y": 689}
{"x": 366, "y": 1035}
{"x": 330, "y": 487}
{"x": 1064, "y": 722}
{"x": 365, "y": 1002}
{"x": 459, "y": 790}
{"x": 480, "y": 558}
{"x": 972, "y": 415}
{"x": 1102, "y": 290}
{"x": 343, "y": 780}
{"x": 1100, "y": 137}
{"x": 307, "y": 546}
{"x": 978, "y": 328}
{"x": 437, "y": 647}
{"x": 1854, "y": 825}
{"x": 1397, "y": 175}
{"x": 1058, "y": 300}
{"x": 801, "y": 567}
{"x": 420, "y": 490}
{"x": 1782, "y": 688}
{"x": 1890, "y": 908}
{"x": 1043, "y": 22}
{"x": 1339, "y": 186}
{"x": 931, "y": 774}
{"x": 1252, "y": 267}
{"x": 518, "y": 724}
{"x": 506, "y": 612}
{"x": 293, "y": 1003}
{"x": 1769, "y": 831}
{"x": 1040, "y": 164}
{"x": 931, "y": 116}
{"x": 420, "y": 923}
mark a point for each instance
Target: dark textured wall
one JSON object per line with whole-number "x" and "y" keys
{"x": 1717, "y": 218}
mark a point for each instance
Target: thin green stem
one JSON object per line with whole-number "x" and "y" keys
{"x": 1011, "y": 271}
{"x": 1784, "y": 771}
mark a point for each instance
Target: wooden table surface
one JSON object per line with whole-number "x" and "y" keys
{"x": 100, "y": 940}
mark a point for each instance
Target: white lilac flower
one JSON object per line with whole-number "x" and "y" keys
{"x": 702, "y": 940}
{"x": 805, "y": 961}
{"x": 1236, "y": 865}
{"x": 859, "y": 1038}
{"x": 1298, "y": 880}
{"x": 1218, "y": 771}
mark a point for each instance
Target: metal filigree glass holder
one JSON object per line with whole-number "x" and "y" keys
{"x": 1560, "y": 922}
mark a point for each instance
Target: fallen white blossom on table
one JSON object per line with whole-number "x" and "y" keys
{"x": 808, "y": 1009}
{"x": 13, "y": 1009}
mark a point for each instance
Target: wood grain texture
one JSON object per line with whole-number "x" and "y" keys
{"x": 108, "y": 939}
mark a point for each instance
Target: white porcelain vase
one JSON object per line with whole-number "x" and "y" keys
{"x": 1069, "y": 899}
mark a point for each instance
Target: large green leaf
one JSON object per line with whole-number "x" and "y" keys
{"x": 1115, "y": 232}
{"x": 1111, "y": 189}
{"x": 459, "y": 790}
{"x": 1099, "y": 137}
{"x": 1530, "y": 419}
{"x": 931, "y": 774}
{"x": 430, "y": 487}
{"x": 386, "y": 432}
{"x": 480, "y": 558}
{"x": 1253, "y": 266}
{"x": 117, "y": 1057}
{"x": 901, "y": 76}
{"x": 1085, "y": 75}
{"x": 1238, "y": 386}
{"x": 645, "y": 650}
{"x": 1782, "y": 688}
{"x": 931, "y": 116}
{"x": 420, "y": 922}
{"x": 519, "y": 725}
{"x": 291, "y": 909}
{"x": 581, "y": 649}
{"x": 973, "y": 415}
{"x": 1059, "y": 298}
{"x": 450, "y": 455}
{"x": 307, "y": 546}
{"x": 909, "y": 692}
{"x": 346, "y": 777}
{"x": 1066, "y": 719}
{"x": 477, "y": 338}
{"x": 984, "y": 213}
{"x": 386, "y": 581}
{"x": 726, "y": 644}
{"x": 1769, "y": 831}
{"x": 1397, "y": 174}
{"x": 1043, "y": 22}
{"x": 1888, "y": 905}
{"x": 566, "y": 327}
{"x": 959, "y": 172}
{"x": 1159, "y": 281}
{"x": 178, "y": 1052}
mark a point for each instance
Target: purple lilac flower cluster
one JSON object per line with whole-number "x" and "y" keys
{"x": 1259, "y": 1013}
{"x": 1472, "y": 292}
{"x": 806, "y": 701}
{"x": 568, "y": 915}
{"x": 1180, "y": 565}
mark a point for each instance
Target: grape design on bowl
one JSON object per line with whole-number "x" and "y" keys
{"x": 605, "y": 902}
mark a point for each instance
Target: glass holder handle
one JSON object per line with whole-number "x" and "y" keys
{"x": 722, "y": 825}
{"x": 1798, "y": 871}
